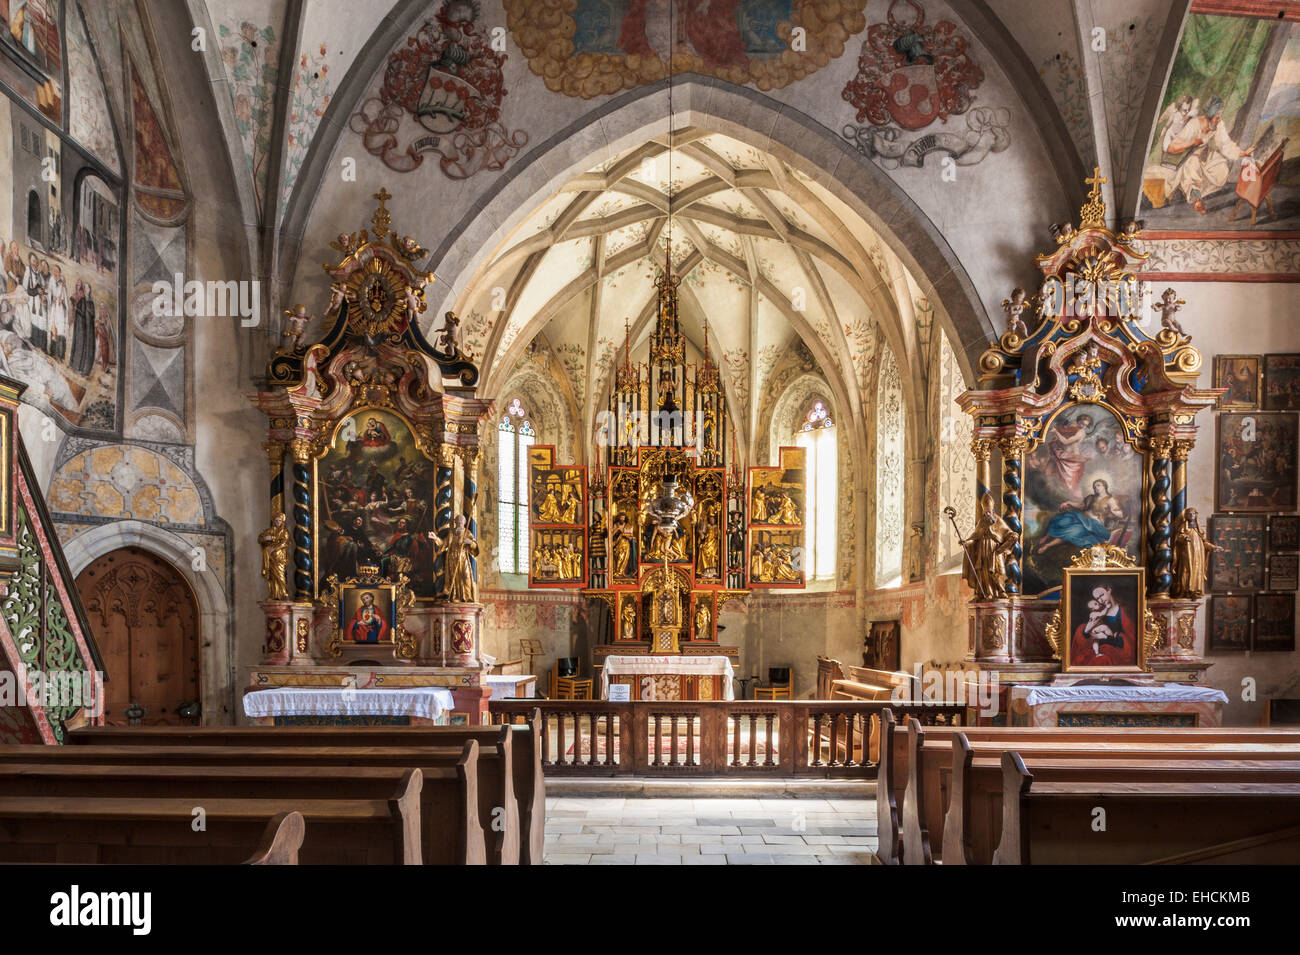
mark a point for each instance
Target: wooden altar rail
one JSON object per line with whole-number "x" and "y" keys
{"x": 714, "y": 738}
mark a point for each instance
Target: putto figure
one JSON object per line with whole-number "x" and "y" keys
{"x": 1169, "y": 306}
{"x": 1014, "y": 308}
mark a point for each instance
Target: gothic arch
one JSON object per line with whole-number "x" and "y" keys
{"x": 216, "y": 640}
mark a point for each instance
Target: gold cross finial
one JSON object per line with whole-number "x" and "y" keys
{"x": 1093, "y": 213}
{"x": 382, "y": 216}
{"x": 1095, "y": 180}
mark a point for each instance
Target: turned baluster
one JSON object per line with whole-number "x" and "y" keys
{"x": 768, "y": 720}
{"x": 753, "y": 740}
{"x": 850, "y": 724}
{"x": 672, "y": 742}
{"x": 817, "y": 740}
{"x": 735, "y": 740}
{"x": 655, "y": 740}
{"x": 690, "y": 740}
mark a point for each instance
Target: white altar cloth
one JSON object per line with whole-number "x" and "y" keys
{"x": 628, "y": 665}
{"x": 427, "y": 702}
{"x": 1038, "y": 695}
{"x": 504, "y": 684}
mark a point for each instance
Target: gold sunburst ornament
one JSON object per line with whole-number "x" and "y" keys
{"x": 377, "y": 293}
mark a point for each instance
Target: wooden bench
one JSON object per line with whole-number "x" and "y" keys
{"x": 448, "y": 797}
{"x": 527, "y": 817}
{"x": 928, "y": 831}
{"x": 966, "y": 779}
{"x": 499, "y": 829}
{"x": 1150, "y": 823}
{"x": 137, "y": 831}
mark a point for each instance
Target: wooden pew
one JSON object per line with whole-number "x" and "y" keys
{"x": 500, "y": 829}
{"x": 1170, "y": 823}
{"x": 1097, "y": 739}
{"x": 889, "y": 840}
{"x": 135, "y": 831}
{"x": 448, "y": 797}
{"x": 527, "y": 817}
{"x": 281, "y": 840}
{"x": 916, "y": 840}
{"x": 968, "y": 781}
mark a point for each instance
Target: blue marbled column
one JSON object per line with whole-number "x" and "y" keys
{"x": 302, "y": 531}
{"x": 469, "y": 487}
{"x": 443, "y": 500}
{"x": 1162, "y": 555}
{"x": 1013, "y": 507}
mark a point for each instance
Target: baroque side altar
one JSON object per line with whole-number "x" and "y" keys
{"x": 1083, "y": 421}
{"x": 373, "y": 446}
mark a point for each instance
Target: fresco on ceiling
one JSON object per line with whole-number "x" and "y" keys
{"x": 911, "y": 74}
{"x": 31, "y": 58}
{"x": 250, "y": 58}
{"x": 59, "y": 244}
{"x": 155, "y": 170}
{"x": 593, "y": 48}
{"x": 441, "y": 94}
{"x": 1225, "y": 155}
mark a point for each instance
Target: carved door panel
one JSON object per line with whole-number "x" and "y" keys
{"x": 145, "y": 621}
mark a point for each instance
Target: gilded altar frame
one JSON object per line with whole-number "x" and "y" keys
{"x": 1081, "y": 342}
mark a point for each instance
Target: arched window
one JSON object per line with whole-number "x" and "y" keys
{"x": 821, "y": 505}
{"x": 515, "y": 433}
{"x": 890, "y": 465}
{"x": 956, "y": 463}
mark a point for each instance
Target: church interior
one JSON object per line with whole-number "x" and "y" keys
{"x": 521, "y": 432}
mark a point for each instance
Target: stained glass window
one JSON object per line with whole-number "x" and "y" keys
{"x": 890, "y": 468}
{"x": 515, "y": 434}
{"x": 817, "y": 435}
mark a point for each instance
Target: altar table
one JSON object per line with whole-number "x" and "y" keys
{"x": 512, "y": 686}
{"x": 1170, "y": 704}
{"x": 669, "y": 677}
{"x": 348, "y": 706}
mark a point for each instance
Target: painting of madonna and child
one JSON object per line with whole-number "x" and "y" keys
{"x": 1083, "y": 487}
{"x": 374, "y": 489}
{"x": 1101, "y": 613}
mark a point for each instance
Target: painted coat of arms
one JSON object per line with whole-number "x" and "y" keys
{"x": 911, "y": 74}
{"x": 442, "y": 94}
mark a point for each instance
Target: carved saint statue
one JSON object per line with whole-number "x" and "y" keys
{"x": 1191, "y": 555}
{"x": 702, "y": 631}
{"x": 622, "y": 547}
{"x": 275, "y": 558}
{"x": 1014, "y": 307}
{"x": 986, "y": 570}
{"x": 296, "y": 321}
{"x": 1169, "y": 305}
{"x": 665, "y": 545}
{"x": 629, "y": 621}
{"x": 459, "y": 584}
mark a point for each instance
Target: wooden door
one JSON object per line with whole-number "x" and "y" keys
{"x": 145, "y": 621}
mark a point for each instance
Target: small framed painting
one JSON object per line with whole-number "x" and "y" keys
{"x": 1284, "y": 532}
{"x": 1282, "y": 382}
{"x": 1238, "y": 564}
{"x": 1274, "y": 623}
{"x": 1229, "y": 628}
{"x": 1102, "y": 617}
{"x": 1257, "y": 462}
{"x": 1240, "y": 374}
{"x": 1284, "y": 572}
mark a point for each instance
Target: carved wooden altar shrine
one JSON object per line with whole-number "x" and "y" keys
{"x": 1092, "y": 419}
{"x": 655, "y": 591}
{"x": 374, "y": 439}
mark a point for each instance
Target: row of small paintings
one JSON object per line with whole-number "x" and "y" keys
{"x": 1251, "y": 545}
{"x": 1270, "y": 382}
{"x": 1264, "y": 623}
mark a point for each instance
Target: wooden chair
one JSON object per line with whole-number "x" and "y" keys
{"x": 569, "y": 687}
{"x": 780, "y": 680}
